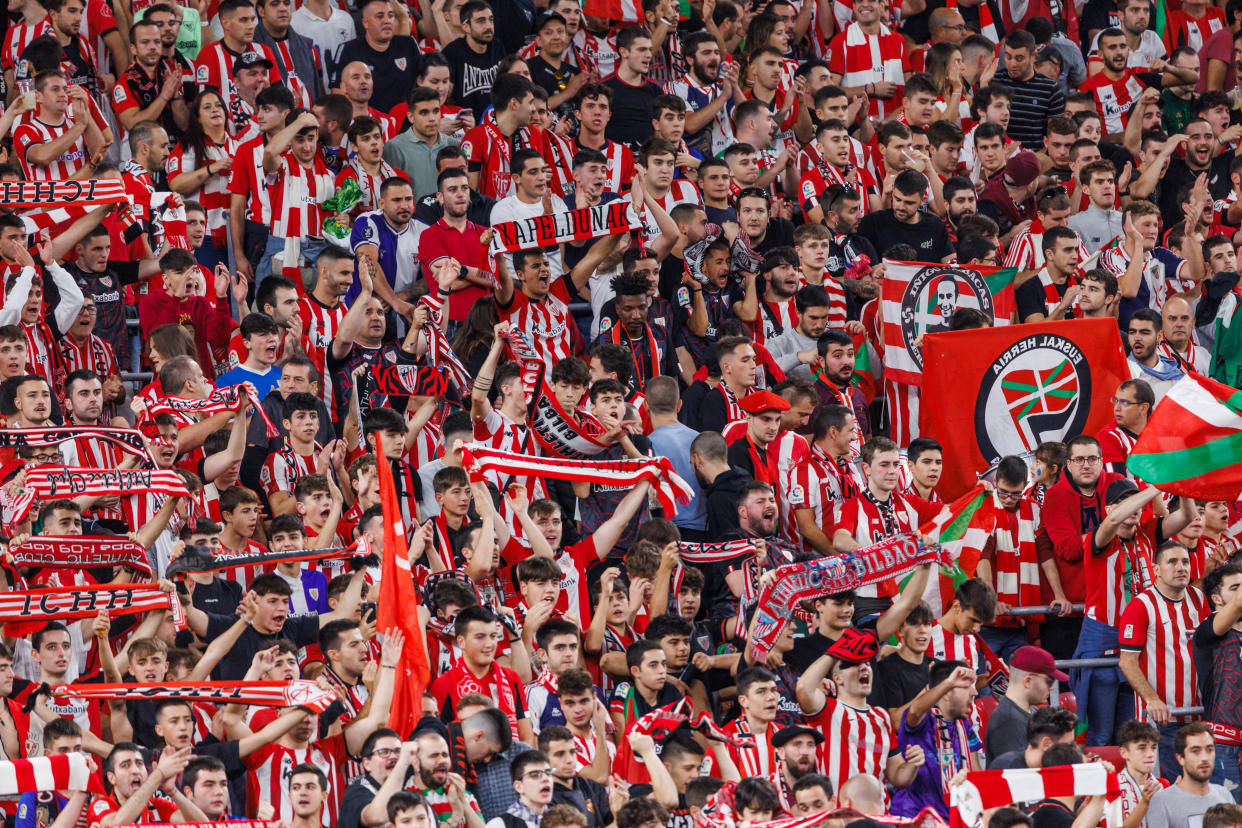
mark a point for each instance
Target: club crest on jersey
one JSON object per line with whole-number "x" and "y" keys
{"x": 1038, "y": 389}
{"x": 400, "y": 62}
{"x": 931, "y": 297}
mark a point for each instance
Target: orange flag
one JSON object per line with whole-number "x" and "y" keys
{"x": 398, "y": 607}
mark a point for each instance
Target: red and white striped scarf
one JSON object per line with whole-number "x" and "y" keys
{"x": 43, "y": 195}
{"x": 28, "y": 611}
{"x": 66, "y": 772}
{"x": 439, "y": 353}
{"x": 221, "y": 399}
{"x": 1017, "y": 565}
{"x": 298, "y": 693}
{"x": 478, "y": 459}
{"x": 84, "y": 552}
{"x": 128, "y": 440}
{"x": 984, "y": 790}
{"x": 50, "y": 482}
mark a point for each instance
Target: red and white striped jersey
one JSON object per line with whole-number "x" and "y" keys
{"x": 774, "y": 319}
{"x": 282, "y": 469}
{"x": 214, "y": 67}
{"x": 817, "y": 484}
{"x": 948, "y": 646}
{"x": 620, "y": 169}
{"x": 247, "y": 179}
{"x": 545, "y": 323}
{"x": 1026, "y": 250}
{"x": 859, "y": 59}
{"x": 296, "y": 196}
{"x": 836, "y": 293}
{"x": 499, "y": 432}
{"x": 1114, "y": 98}
{"x": 42, "y": 355}
{"x": 600, "y": 51}
{"x": 902, "y": 400}
{"x": 97, "y": 453}
{"x": 271, "y": 766}
{"x": 214, "y": 194}
{"x": 1115, "y": 577}
{"x": 862, "y": 519}
{"x": 18, "y": 38}
{"x": 31, "y": 132}
{"x": 1160, "y": 631}
{"x": 92, "y": 355}
{"x": 1116, "y": 443}
{"x": 681, "y": 192}
{"x": 1184, "y": 30}
{"x": 319, "y": 326}
{"x": 756, "y": 759}
{"x": 817, "y": 179}
{"x": 585, "y": 746}
{"x": 247, "y": 572}
{"x": 858, "y": 740}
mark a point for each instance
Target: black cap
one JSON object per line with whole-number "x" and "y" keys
{"x": 787, "y": 734}
{"x": 775, "y": 259}
{"x": 431, "y": 724}
{"x": 1119, "y": 490}
{"x": 1049, "y": 54}
{"x": 247, "y": 60}
{"x": 546, "y": 18}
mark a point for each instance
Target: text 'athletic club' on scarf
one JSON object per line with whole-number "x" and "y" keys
{"x": 80, "y": 552}
{"x": 28, "y": 611}
{"x": 299, "y": 693}
{"x": 671, "y": 490}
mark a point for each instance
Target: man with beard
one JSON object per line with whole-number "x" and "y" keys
{"x": 796, "y": 747}
{"x": 834, "y": 372}
{"x": 1183, "y": 804}
{"x": 906, "y": 222}
{"x": 1116, "y": 86}
{"x": 571, "y": 788}
{"x": 648, "y": 344}
{"x": 1177, "y": 343}
{"x": 1183, "y": 172}
{"x": 133, "y": 789}
{"x": 961, "y": 200}
{"x": 833, "y": 141}
{"x": 444, "y": 790}
{"x": 938, "y": 723}
{"x": 296, "y": 60}
{"x": 385, "y": 764}
{"x": 1145, "y": 361}
{"x": 151, "y": 88}
{"x": 843, "y": 213}
{"x": 320, "y": 314}
{"x": 797, "y": 347}
{"x": 389, "y": 245}
{"x": 773, "y": 313}
{"x": 818, "y": 486}
{"x": 709, "y": 94}
{"x": 169, "y": 21}
{"x": 474, "y": 59}
{"x": 455, "y": 237}
{"x": 104, "y": 280}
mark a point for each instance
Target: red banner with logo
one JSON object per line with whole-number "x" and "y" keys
{"x": 992, "y": 392}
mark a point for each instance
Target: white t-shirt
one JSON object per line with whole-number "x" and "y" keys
{"x": 511, "y": 208}
{"x": 329, "y": 35}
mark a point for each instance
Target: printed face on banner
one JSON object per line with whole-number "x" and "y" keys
{"x": 932, "y": 296}
{"x": 1038, "y": 389}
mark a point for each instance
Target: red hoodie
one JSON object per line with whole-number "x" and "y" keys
{"x": 1068, "y": 515}
{"x": 210, "y": 326}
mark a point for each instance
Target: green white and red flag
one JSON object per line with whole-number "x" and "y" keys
{"x": 1192, "y": 445}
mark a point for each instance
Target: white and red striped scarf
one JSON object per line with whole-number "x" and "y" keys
{"x": 478, "y": 459}
{"x": 439, "y": 353}
{"x": 221, "y": 399}
{"x": 43, "y": 195}
{"x": 28, "y": 611}
{"x": 50, "y": 482}
{"x": 65, "y": 772}
{"x": 300, "y": 693}
{"x": 84, "y": 552}
{"x": 1017, "y": 565}
{"x": 984, "y": 790}
{"x": 128, "y": 440}
{"x": 700, "y": 553}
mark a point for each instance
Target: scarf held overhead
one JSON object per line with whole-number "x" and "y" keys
{"x": 35, "y": 195}
{"x": 555, "y": 430}
{"x": 299, "y": 693}
{"x": 85, "y": 552}
{"x": 798, "y": 582}
{"x": 65, "y": 772}
{"x": 202, "y": 559}
{"x": 551, "y": 229}
{"x": 222, "y": 399}
{"x": 128, "y": 440}
{"x": 984, "y": 790}
{"x": 50, "y": 482}
{"x": 28, "y": 611}
{"x": 478, "y": 459}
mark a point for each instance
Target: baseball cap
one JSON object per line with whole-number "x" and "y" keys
{"x": 546, "y": 18}
{"x": 1021, "y": 169}
{"x": 1119, "y": 490}
{"x": 248, "y": 60}
{"x": 1033, "y": 659}
{"x": 1049, "y": 54}
{"x": 786, "y": 734}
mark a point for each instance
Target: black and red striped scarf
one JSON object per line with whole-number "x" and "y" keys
{"x": 652, "y": 362}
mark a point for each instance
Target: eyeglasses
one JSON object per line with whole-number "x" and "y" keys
{"x": 1124, "y": 403}
{"x": 1085, "y": 461}
{"x": 384, "y": 753}
{"x": 1005, "y": 494}
{"x": 1053, "y": 192}
{"x": 537, "y": 774}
